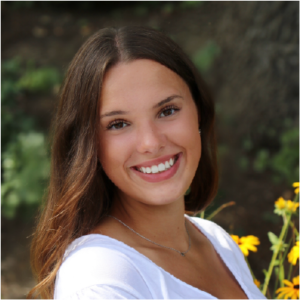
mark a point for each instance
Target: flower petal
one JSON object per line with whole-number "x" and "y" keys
{"x": 295, "y": 296}
{"x": 235, "y": 238}
{"x": 288, "y": 283}
{"x": 296, "y": 280}
{"x": 244, "y": 250}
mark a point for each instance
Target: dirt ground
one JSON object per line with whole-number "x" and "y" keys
{"x": 254, "y": 78}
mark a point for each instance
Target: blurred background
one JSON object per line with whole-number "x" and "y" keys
{"x": 248, "y": 53}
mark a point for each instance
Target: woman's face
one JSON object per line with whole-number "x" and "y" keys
{"x": 149, "y": 138}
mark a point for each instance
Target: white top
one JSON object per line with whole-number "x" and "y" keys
{"x": 96, "y": 266}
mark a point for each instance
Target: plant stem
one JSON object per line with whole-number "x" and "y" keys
{"x": 246, "y": 259}
{"x": 276, "y": 284}
{"x": 275, "y": 253}
{"x": 295, "y": 231}
{"x": 290, "y": 272}
{"x": 291, "y": 265}
{"x": 219, "y": 209}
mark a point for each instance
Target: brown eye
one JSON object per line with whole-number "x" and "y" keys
{"x": 168, "y": 112}
{"x": 117, "y": 125}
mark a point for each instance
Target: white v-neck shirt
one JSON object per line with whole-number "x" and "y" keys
{"x": 96, "y": 266}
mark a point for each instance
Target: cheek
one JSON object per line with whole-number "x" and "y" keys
{"x": 190, "y": 138}
{"x": 187, "y": 130}
{"x": 113, "y": 154}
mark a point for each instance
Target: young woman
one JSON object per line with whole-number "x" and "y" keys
{"x": 133, "y": 155}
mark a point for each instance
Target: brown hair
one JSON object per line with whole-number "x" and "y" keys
{"x": 80, "y": 193}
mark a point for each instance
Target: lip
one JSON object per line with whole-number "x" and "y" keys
{"x": 157, "y": 177}
{"x": 156, "y": 161}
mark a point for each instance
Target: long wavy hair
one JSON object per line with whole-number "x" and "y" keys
{"x": 79, "y": 192}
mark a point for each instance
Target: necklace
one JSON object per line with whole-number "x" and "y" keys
{"x": 181, "y": 253}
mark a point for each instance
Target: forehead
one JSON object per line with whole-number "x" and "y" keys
{"x": 138, "y": 80}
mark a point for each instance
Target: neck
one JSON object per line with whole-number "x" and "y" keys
{"x": 164, "y": 224}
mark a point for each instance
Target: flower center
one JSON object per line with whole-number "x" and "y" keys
{"x": 296, "y": 286}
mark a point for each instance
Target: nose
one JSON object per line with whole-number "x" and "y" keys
{"x": 150, "y": 139}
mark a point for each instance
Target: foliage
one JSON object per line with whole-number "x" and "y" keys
{"x": 280, "y": 156}
{"x": 285, "y": 162}
{"x": 204, "y": 57}
{"x": 281, "y": 245}
{"x": 12, "y": 118}
{"x": 190, "y": 4}
{"x": 25, "y": 172}
{"x": 39, "y": 80}
{"x": 25, "y": 161}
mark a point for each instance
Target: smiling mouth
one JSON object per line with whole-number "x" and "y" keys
{"x": 160, "y": 168}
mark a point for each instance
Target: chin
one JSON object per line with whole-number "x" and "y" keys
{"x": 160, "y": 197}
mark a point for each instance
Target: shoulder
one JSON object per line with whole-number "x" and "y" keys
{"x": 96, "y": 260}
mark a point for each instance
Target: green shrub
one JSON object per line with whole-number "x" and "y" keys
{"x": 204, "y": 57}
{"x": 39, "y": 80}
{"x": 25, "y": 167}
{"x": 25, "y": 160}
{"x": 285, "y": 162}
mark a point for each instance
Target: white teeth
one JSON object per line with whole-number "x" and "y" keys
{"x": 154, "y": 169}
{"x": 161, "y": 167}
{"x": 167, "y": 165}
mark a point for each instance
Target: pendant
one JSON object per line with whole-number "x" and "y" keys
{"x": 182, "y": 254}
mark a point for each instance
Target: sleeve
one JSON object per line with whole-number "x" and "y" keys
{"x": 97, "y": 272}
{"x": 101, "y": 292}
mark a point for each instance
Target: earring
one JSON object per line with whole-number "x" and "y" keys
{"x": 199, "y": 130}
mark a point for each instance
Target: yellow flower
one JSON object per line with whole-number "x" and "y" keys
{"x": 291, "y": 206}
{"x": 293, "y": 256}
{"x": 296, "y": 186}
{"x": 246, "y": 243}
{"x": 280, "y": 203}
{"x": 257, "y": 283}
{"x": 289, "y": 291}
{"x": 285, "y": 205}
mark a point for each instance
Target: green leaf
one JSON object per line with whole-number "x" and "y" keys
{"x": 281, "y": 273}
{"x": 273, "y": 238}
{"x": 281, "y": 247}
{"x": 276, "y": 262}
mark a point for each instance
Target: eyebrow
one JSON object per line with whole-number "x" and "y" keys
{"x": 170, "y": 98}
{"x": 122, "y": 112}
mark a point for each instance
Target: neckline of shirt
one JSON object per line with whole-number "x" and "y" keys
{"x": 81, "y": 240}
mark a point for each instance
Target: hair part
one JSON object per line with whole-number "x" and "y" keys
{"x": 80, "y": 193}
